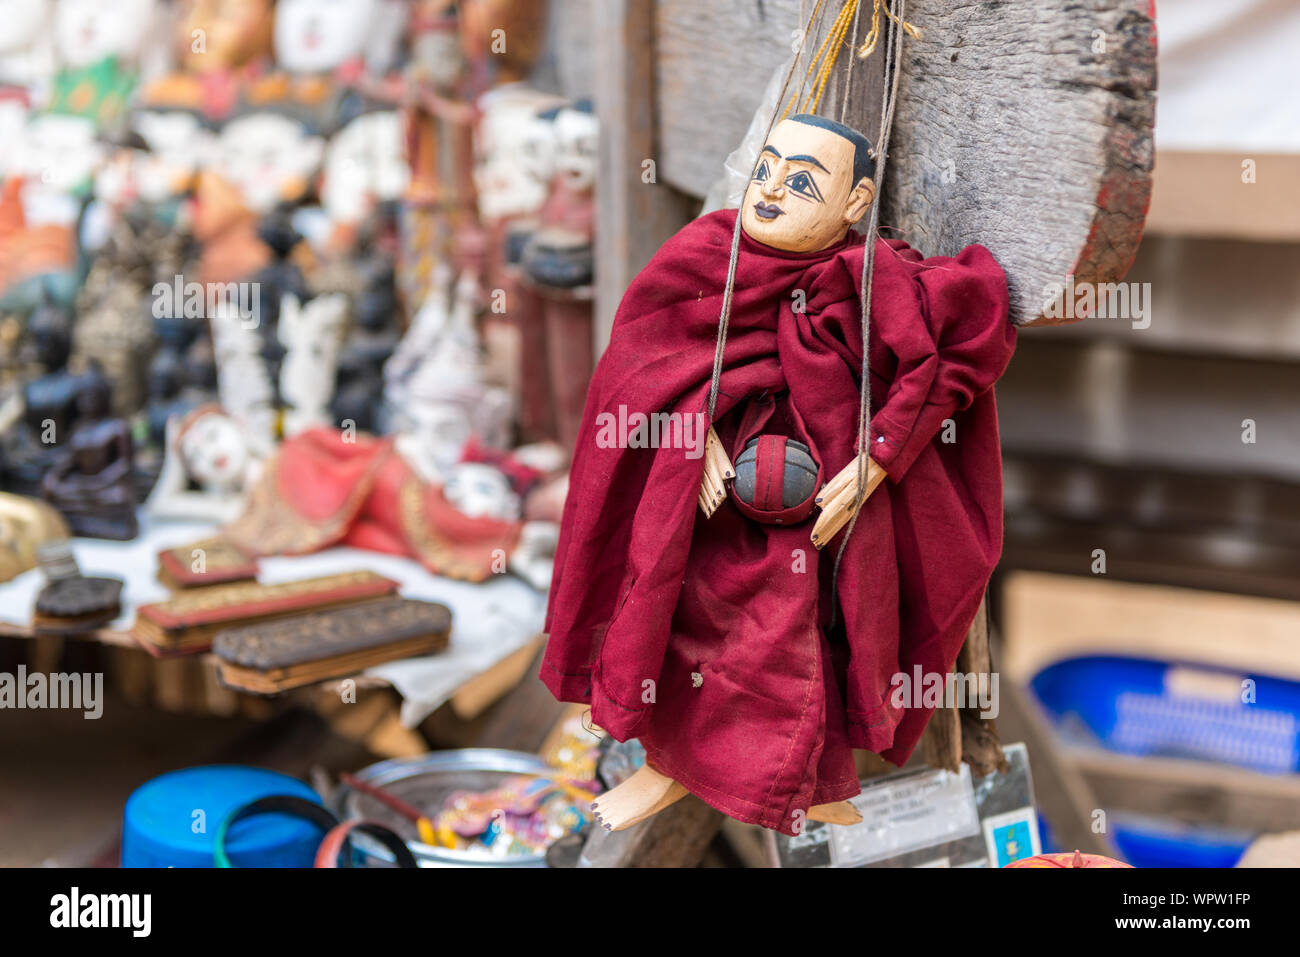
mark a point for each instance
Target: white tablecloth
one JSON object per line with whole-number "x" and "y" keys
{"x": 489, "y": 621}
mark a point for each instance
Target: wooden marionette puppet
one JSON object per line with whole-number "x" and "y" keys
{"x": 748, "y": 663}
{"x": 436, "y": 92}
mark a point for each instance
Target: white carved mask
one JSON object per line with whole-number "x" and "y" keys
{"x": 266, "y": 156}
{"x": 316, "y": 36}
{"x": 577, "y": 137}
{"x": 87, "y": 31}
{"x": 364, "y": 165}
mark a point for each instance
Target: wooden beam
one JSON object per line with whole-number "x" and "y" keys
{"x": 1024, "y": 126}
{"x": 1215, "y": 195}
{"x": 633, "y": 216}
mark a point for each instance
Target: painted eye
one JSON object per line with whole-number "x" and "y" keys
{"x": 803, "y": 184}
{"x": 762, "y": 173}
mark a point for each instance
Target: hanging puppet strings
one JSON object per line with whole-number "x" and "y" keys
{"x": 842, "y": 499}
{"x": 717, "y": 465}
{"x": 843, "y": 496}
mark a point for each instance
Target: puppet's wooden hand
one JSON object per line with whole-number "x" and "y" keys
{"x": 717, "y": 470}
{"x": 837, "y": 497}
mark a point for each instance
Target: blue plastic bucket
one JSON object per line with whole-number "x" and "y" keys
{"x": 172, "y": 820}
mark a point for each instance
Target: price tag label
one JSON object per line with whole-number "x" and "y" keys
{"x": 907, "y": 814}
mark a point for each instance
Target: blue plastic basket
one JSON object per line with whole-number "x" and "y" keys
{"x": 172, "y": 820}
{"x": 1147, "y": 842}
{"x": 1127, "y": 705}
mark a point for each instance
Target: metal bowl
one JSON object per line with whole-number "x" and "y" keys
{"x": 426, "y": 782}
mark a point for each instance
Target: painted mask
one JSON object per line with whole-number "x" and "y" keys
{"x": 317, "y": 36}
{"x": 87, "y": 31}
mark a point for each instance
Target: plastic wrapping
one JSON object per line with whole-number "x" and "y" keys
{"x": 729, "y": 189}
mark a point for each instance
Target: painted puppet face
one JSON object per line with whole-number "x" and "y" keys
{"x": 516, "y": 154}
{"x": 577, "y": 136}
{"x": 87, "y": 31}
{"x": 23, "y": 22}
{"x": 480, "y": 491}
{"x": 316, "y": 36}
{"x": 802, "y": 196}
{"x": 60, "y": 152}
{"x": 219, "y": 34}
{"x": 436, "y": 52}
{"x": 215, "y": 453}
{"x": 268, "y": 157}
{"x": 178, "y": 142}
{"x": 364, "y": 164}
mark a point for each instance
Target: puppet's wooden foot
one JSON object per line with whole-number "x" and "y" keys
{"x": 838, "y": 812}
{"x": 644, "y": 794}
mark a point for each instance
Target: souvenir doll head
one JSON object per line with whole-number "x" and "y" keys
{"x": 87, "y": 31}
{"x": 269, "y": 157}
{"x": 212, "y": 448}
{"x": 224, "y": 34}
{"x": 364, "y": 166}
{"x": 318, "y": 36}
{"x": 577, "y": 139}
{"x": 515, "y": 153}
{"x": 437, "y": 53}
{"x": 480, "y": 491}
{"x": 58, "y": 152}
{"x": 178, "y": 142}
{"x": 812, "y": 182}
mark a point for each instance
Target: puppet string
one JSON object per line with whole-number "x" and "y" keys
{"x": 725, "y": 317}
{"x": 893, "y": 62}
{"x": 848, "y": 73}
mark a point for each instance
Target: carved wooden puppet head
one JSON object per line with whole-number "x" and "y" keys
{"x": 812, "y": 182}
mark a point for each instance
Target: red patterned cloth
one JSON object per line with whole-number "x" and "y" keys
{"x": 325, "y": 488}
{"x": 711, "y": 639}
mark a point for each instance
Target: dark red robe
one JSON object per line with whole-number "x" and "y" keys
{"x": 711, "y": 640}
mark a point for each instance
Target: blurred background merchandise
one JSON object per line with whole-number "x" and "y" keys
{"x": 404, "y": 194}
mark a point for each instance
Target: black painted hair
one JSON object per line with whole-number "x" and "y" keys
{"x": 863, "y": 164}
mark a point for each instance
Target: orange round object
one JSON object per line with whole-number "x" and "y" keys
{"x": 1066, "y": 859}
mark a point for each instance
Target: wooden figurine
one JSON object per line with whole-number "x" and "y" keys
{"x": 358, "y": 399}
{"x": 435, "y": 386}
{"x": 748, "y": 661}
{"x": 39, "y": 417}
{"x": 312, "y": 335}
{"x": 560, "y": 263}
{"x": 208, "y": 466}
{"x": 515, "y": 146}
{"x": 92, "y": 484}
